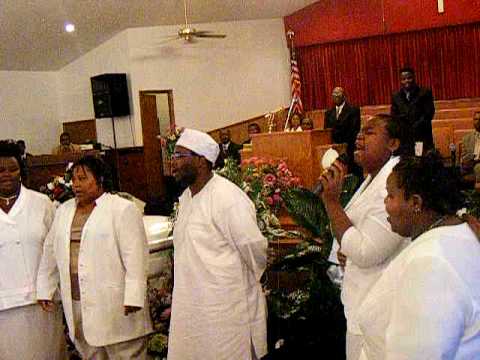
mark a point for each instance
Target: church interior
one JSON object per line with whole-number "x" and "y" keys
{"x": 122, "y": 79}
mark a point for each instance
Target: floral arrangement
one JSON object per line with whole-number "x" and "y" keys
{"x": 168, "y": 142}
{"x": 265, "y": 182}
{"x": 60, "y": 187}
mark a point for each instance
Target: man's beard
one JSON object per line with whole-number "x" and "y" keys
{"x": 187, "y": 177}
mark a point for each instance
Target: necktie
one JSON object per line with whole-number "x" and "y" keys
{"x": 337, "y": 112}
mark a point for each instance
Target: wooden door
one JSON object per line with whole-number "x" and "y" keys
{"x": 151, "y": 147}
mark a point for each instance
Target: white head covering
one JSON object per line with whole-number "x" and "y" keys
{"x": 200, "y": 143}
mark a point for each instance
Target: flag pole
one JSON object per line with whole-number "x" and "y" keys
{"x": 295, "y": 102}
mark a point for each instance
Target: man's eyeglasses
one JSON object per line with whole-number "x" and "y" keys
{"x": 177, "y": 155}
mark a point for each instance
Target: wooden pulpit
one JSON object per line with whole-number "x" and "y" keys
{"x": 42, "y": 169}
{"x": 298, "y": 149}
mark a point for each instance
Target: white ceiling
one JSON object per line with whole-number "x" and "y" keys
{"x": 32, "y": 33}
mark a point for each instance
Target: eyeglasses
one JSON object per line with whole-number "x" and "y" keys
{"x": 177, "y": 155}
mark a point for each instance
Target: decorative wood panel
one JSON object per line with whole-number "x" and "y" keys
{"x": 298, "y": 149}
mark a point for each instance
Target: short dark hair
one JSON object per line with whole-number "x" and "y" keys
{"x": 98, "y": 168}
{"x": 428, "y": 177}
{"x": 407, "y": 69}
{"x": 20, "y": 141}
{"x": 65, "y": 133}
{"x": 9, "y": 148}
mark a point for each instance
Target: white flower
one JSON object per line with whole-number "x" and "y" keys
{"x": 50, "y": 186}
{"x": 61, "y": 181}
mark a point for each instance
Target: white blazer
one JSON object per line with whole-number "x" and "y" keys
{"x": 22, "y": 233}
{"x": 369, "y": 244}
{"x": 112, "y": 270}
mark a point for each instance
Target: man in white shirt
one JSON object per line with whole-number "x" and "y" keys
{"x": 471, "y": 149}
{"x": 218, "y": 306}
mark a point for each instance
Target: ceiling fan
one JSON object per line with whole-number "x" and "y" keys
{"x": 188, "y": 33}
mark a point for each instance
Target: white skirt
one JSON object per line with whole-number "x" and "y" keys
{"x": 29, "y": 333}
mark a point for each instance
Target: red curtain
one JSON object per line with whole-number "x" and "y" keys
{"x": 446, "y": 60}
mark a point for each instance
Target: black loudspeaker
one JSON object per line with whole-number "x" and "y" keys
{"x": 110, "y": 95}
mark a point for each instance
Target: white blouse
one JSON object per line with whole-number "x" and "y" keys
{"x": 426, "y": 305}
{"x": 23, "y": 231}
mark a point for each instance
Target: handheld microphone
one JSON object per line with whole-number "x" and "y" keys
{"x": 327, "y": 160}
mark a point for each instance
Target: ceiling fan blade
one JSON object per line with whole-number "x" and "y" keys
{"x": 218, "y": 36}
{"x": 201, "y": 32}
{"x": 166, "y": 39}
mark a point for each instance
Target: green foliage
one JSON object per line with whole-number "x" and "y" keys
{"x": 472, "y": 202}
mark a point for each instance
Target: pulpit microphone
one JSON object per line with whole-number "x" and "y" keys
{"x": 327, "y": 160}
{"x": 453, "y": 154}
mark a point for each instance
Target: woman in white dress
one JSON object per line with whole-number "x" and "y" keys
{"x": 361, "y": 228}
{"x": 27, "y": 332}
{"x": 97, "y": 251}
{"x": 426, "y": 305}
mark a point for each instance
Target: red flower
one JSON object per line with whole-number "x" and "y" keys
{"x": 269, "y": 180}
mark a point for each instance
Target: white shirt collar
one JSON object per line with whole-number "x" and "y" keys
{"x": 340, "y": 107}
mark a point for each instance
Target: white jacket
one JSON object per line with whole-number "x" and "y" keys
{"x": 426, "y": 305}
{"x": 22, "y": 233}
{"x": 369, "y": 244}
{"x": 112, "y": 270}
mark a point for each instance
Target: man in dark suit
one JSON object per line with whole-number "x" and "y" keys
{"x": 414, "y": 107}
{"x": 344, "y": 120}
{"x": 228, "y": 149}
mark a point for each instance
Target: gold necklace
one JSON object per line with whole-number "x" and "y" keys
{"x": 8, "y": 198}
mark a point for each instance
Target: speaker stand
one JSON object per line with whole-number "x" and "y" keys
{"x": 115, "y": 156}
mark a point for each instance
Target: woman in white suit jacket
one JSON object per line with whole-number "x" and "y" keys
{"x": 97, "y": 251}
{"x": 361, "y": 229}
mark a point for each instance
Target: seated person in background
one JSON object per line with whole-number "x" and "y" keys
{"x": 471, "y": 149}
{"x": 228, "y": 149}
{"x": 344, "y": 120}
{"x": 414, "y": 106}
{"x": 66, "y": 146}
{"x": 24, "y": 153}
{"x": 253, "y": 128}
{"x": 307, "y": 124}
{"x": 294, "y": 124}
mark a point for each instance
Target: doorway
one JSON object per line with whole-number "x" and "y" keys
{"x": 157, "y": 116}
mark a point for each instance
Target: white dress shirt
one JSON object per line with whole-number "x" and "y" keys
{"x": 23, "y": 231}
{"x": 426, "y": 305}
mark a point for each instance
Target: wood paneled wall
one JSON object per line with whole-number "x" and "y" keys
{"x": 81, "y": 131}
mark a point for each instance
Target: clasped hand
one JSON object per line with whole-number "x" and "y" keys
{"x": 332, "y": 181}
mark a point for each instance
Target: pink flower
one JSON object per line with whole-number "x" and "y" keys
{"x": 277, "y": 198}
{"x": 269, "y": 180}
{"x": 269, "y": 200}
{"x": 282, "y": 166}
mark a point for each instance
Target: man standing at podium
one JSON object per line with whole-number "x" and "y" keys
{"x": 344, "y": 120}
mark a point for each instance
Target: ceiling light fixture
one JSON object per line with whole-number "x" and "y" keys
{"x": 69, "y": 27}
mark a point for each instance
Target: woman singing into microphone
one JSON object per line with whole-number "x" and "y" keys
{"x": 361, "y": 228}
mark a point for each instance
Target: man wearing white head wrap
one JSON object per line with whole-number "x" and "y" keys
{"x": 218, "y": 309}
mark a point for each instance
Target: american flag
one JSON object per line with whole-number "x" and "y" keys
{"x": 296, "y": 85}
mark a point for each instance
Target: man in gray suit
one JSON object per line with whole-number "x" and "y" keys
{"x": 471, "y": 149}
